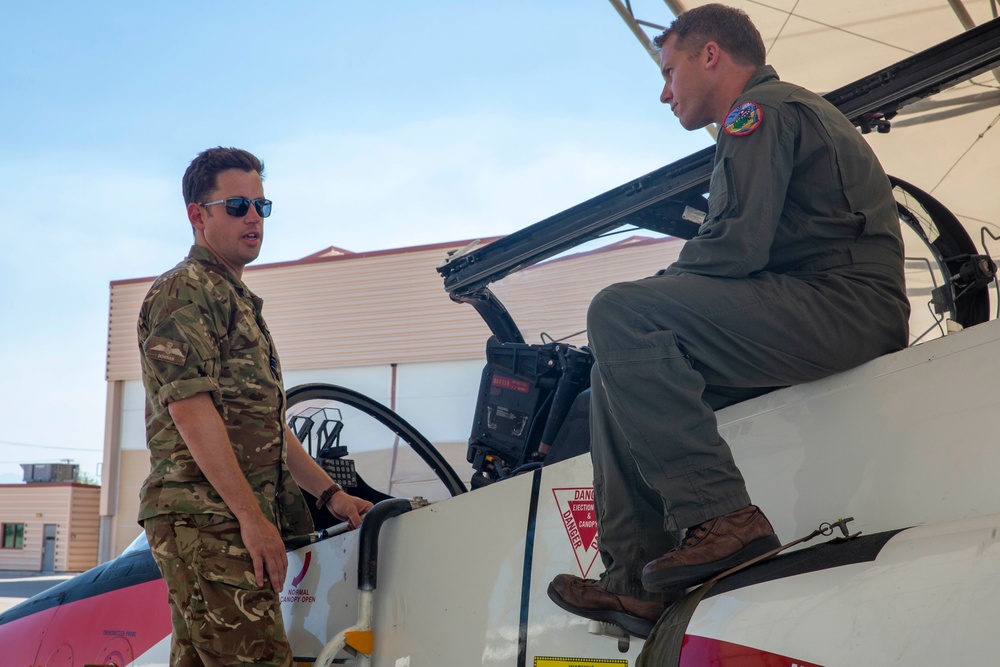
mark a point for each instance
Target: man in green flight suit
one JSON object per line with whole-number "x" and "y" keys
{"x": 223, "y": 490}
{"x": 795, "y": 274}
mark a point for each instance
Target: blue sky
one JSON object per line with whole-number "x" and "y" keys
{"x": 381, "y": 125}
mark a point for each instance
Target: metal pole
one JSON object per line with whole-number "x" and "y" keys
{"x": 633, "y": 25}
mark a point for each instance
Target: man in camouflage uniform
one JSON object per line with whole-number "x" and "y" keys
{"x": 795, "y": 274}
{"x": 223, "y": 490}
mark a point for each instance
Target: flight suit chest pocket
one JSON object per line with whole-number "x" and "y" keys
{"x": 722, "y": 197}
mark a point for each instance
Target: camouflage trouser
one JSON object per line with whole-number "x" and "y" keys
{"x": 219, "y": 615}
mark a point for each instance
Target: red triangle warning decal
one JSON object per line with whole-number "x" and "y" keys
{"x": 576, "y": 508}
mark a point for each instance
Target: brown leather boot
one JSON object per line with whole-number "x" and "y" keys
{"x": 585, "y": 597}
{"x": 710, "y": 548}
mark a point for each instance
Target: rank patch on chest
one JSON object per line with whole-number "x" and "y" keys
{"x": 164, "y": 349}
{"x": 744, "y": 119}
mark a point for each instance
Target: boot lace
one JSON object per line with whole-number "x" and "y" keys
{"x": 695, "y": 534}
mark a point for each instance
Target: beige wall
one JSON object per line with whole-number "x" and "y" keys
{"x": 84, "y": 519}
{"x": 72, "y": 507}
{"x": 134, "y": 468}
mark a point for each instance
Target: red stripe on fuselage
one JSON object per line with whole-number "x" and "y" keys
{"x": 701, "y": 651}
{"x": 127, "y": 619}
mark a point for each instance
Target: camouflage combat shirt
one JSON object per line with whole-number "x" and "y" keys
{"x": 201, "y": 330}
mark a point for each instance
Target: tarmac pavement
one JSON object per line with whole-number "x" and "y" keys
{"x": 16, "y": 587}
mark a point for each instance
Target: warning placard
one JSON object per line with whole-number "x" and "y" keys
{"x": 544, "y": 661}
{"x": 576, "y": 508}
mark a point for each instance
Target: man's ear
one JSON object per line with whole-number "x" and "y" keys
{"x": 195, "y": 213}
{"x": 711, "y": 54}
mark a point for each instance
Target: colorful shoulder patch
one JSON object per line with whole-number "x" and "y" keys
{"x": 744, "y": 119}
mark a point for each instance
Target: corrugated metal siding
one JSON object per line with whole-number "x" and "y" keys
{"x": 355, "y": 312}
{"x": 17, "y": 507}
{"x": 83, "y": 528}
{"x": 391, "y": 307}
{"x": 123, "y": 311}
{"x": 349, "y": 311}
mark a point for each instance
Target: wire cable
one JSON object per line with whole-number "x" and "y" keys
{"x": 69, "y": 449}
{"x": 967, "y": 150}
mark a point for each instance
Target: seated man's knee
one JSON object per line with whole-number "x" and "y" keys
{"x": 615, "y": 313}
{"x": 610, "y": 313}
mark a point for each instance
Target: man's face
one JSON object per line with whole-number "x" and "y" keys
{"x": 234, "y": 240}
{"x": 686, "y": 85}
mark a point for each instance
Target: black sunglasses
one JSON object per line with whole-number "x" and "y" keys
{"x": 238, "y": 206}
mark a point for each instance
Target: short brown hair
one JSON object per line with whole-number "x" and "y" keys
{"x": 201, "y": 176}
{"x": 729, "y": 27}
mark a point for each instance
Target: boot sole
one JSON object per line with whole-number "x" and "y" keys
{"x": 635, "y": 626}
{"x": 685, "y": 576}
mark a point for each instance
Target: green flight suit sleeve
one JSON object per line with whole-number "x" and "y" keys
{"x": 746, "y": 199}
